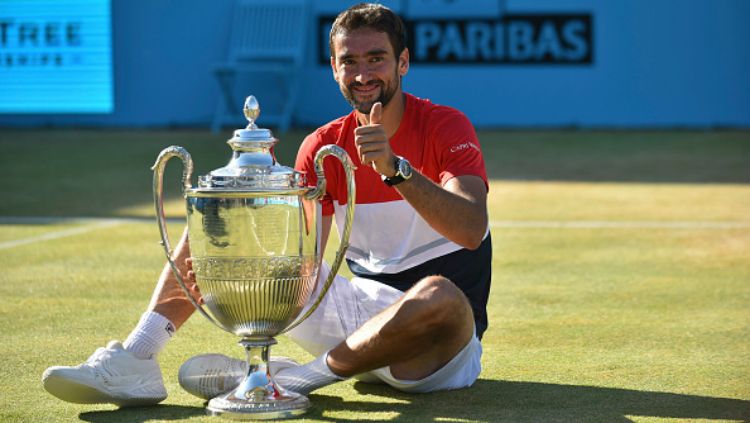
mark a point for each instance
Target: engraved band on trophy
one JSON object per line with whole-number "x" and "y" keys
{"x": 254, "y": 234}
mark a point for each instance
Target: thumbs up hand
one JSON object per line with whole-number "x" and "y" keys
{"x": 372, "y": 143}
{"x": 376, "y": 113}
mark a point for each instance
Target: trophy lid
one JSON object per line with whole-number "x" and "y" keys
{"x": 253, "y": 167}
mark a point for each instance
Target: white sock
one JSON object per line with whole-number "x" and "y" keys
{"x": 149, "y": 336}
{"x": 307, "y": 377}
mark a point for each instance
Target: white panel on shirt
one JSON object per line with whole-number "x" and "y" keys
{"x": 391, "y": 237}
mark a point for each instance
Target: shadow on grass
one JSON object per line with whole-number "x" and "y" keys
{"x": 692, "y": 157}
{"x": 90, "y": 172}
{"x": 495, "y": 401}
{"x": 486, "y": 401}
{"x": 142, "y": 414}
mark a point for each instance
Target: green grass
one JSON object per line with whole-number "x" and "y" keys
{"x": 644, "y": 324}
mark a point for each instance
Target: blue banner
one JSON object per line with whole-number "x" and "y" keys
{"x": 55, "y": 56}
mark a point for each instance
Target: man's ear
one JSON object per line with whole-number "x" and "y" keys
{"x": 403, "y": 62}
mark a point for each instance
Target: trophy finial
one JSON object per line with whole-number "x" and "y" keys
{"x": 252, "y": 111}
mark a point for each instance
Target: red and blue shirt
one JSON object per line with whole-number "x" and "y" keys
{"x": 390, "y": 242}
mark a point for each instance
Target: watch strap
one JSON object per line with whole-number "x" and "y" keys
{"x": 393, "y": 180}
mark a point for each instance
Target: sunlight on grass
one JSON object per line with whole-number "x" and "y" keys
{"x": 646, "y": 419}
{"x": 598, "y": 324}
{"x": 533, "y": 200}
{"x": 618, "y": 201}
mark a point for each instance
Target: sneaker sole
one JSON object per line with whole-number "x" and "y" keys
{"x": 220, "y": 381}
{"x": 79, "y": 393}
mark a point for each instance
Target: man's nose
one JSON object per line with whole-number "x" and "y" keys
{"x": 363, "y": 75}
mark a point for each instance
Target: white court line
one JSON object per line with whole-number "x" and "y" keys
{"x": 42, "y": 220}
{"x": 510, "y": 223}
{"x": 622, "y": 224}
{"x": 60, "y": 234}
{"x": 93, "y": 223}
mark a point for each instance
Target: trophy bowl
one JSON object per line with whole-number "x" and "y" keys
{"x": 255, "y": 246}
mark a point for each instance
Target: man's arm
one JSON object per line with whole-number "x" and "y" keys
{"x": 457, "y": 209}
{"x": 325, "y": 231}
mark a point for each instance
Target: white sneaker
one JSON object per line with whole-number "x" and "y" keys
{"x": 209, "y": 375}
{"x": 110, "y": 375}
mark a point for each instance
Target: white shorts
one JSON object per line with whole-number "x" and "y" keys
{"x": 348, "y": 305}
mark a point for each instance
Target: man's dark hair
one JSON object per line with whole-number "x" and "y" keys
{"x": 373, "y": 16}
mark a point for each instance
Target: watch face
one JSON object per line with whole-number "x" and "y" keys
{"x": 404, "y": 168}
{"x": 403, "y": 172}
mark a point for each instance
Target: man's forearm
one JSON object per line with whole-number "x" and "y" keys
{"x": 457, "y": 210}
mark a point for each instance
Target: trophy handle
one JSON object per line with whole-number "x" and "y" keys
{"x": 187, "y": 171}
{"x": 316, "y": 193}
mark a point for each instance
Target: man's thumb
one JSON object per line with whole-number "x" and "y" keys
{"x": 376, "y": 113}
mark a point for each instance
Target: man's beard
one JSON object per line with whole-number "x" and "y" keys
{"x": 386, "y": 94}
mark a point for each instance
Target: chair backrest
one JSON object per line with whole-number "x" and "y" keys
{"x": 269, "y": 29}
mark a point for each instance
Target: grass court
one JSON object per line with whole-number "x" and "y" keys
{"x": 620, "y": 292}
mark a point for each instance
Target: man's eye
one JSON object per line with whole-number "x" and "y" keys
{"x": 376, "y": 59}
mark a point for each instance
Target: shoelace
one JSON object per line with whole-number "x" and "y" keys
{"x": 97, "y": 356}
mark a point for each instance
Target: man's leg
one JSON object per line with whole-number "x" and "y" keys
{"x": 339, "y": 313}
{"x": 129, "y": 374}
{"x": 416, "y": 336}
{"x": 415, "y": 333}
{"x": 168, "y": 309}
{"x": 168, "y": 298}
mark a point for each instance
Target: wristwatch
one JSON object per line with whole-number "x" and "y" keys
{"x": 403, "y": 172}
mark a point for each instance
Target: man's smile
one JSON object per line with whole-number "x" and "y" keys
{"x": 367, "y": 89}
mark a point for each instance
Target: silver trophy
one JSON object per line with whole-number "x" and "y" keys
{"x": 254, "y": 242}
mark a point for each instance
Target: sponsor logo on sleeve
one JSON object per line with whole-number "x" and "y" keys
{"x": 464, "y": 146}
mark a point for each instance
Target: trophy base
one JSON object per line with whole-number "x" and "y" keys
{"x": 278, "y": 406}
{"x": 258, "y": 397}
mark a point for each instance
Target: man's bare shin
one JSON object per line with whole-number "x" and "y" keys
{"x": 168, "y": 298}
{"x": 416, "y": 336}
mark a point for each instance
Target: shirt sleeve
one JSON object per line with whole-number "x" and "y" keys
{"x": 306, "y": 163}
{"x": 459, "y": 152}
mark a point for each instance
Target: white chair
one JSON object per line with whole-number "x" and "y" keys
{"x": 268, "y": 38}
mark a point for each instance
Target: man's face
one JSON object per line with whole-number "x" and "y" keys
{"x": 366, "y": 68}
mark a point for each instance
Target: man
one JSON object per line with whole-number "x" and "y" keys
{"x": 420, "y": 249}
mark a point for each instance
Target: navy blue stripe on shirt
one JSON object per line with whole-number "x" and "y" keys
{"x": 470, "y": 270}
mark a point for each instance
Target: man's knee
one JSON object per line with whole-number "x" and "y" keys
{"x": 444, "y": 306}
